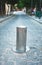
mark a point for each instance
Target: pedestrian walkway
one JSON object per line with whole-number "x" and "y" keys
{"x": 3, "y": 18}
{"x": 37, "y": 19}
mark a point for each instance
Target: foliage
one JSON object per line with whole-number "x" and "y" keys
{"x": 20, "y": 4}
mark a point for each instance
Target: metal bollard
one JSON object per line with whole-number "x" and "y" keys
{"x": 21, "y": 39}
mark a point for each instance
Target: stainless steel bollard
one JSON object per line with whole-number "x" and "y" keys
{"x": 21, "y": 39}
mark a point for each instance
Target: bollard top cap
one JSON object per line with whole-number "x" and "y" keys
{"x": 21, "y": 26}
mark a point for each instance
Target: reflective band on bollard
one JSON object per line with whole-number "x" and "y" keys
{"x": 21, "y": 39}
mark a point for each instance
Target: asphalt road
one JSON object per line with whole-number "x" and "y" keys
{"x": 8, "y": 40}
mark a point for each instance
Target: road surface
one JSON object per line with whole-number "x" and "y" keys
{"x": 8, "y": 40}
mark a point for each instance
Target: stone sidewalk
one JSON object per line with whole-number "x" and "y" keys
{"x": 3, "y": 18}
{"x": 37, "y": 19}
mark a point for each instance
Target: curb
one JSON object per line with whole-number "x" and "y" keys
{"x": 35, "y": 20}
{"x": 6, "y": 18}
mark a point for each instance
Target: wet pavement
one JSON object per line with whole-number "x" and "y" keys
{"x": 33, "y": 56}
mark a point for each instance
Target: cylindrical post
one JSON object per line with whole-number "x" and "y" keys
{"x": 21, "y": 39}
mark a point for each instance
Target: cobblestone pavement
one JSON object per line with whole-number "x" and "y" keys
{"x": 8, "y": 42}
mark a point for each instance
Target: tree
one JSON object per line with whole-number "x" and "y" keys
{"x": 20, "y": 4}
